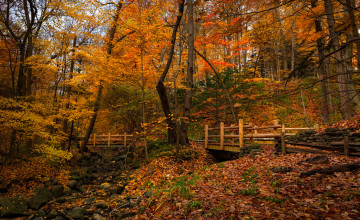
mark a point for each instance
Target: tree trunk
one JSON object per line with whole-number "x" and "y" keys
{"x": 160, "y": 85}
{"x": 99, "y": 93}
{"x": 189, "y": 75}
{"x": 29, "y": 53}
{"x": 348, "y": 54}
{"x": 347, "y": 108}
{"x": 320, "y": 43}
{"x": 350, "y": 5}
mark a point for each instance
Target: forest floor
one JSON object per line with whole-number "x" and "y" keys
{"x": 258, "y": 186}
{"x": 261, "y": 185}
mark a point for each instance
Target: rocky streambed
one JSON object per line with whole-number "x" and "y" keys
{"x": 94, "y": 191}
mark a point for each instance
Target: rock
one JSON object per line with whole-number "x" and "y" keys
{"x": 101, "y": 205}
{"x": 61, "y": 200}
{"x": 105, "y": 186}
{"x": 281, "y": 169}
{"x": 73, "y": 184}
{"x": 59, "y": 217}
{"x": 52, "y": 182}
{"x": 127, "y": 215}
{"x": 82, "y": 189}
{"x": 96, "y": 216}
{"x": 76, "y": 213}
{"x": 57, "y": 191}
{"x": 67, "y": 191}
{"x": 52, "y": 214}
{"x": 42, "y": 196}
{"x": 89, "y": 200}
{"x": 13, "y": 207}
{"x": 41, "y": 213}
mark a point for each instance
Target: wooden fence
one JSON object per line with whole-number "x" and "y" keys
{"x": 233, "y": 138}
{"x": 106, "y": 140}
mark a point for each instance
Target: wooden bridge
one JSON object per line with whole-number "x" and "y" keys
{"x": 233, "y": 138}
{"x": 107, "y": 140}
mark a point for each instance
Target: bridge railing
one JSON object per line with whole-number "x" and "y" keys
{"x": 107, "y": 139}
{"x": 233, "y": 137}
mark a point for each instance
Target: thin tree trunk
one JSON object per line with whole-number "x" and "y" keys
{"x": 189, "y": 75}
{"x": 100, "y": 90}
{"x": 160, "y": 87}
{"x": 322, "y": 75}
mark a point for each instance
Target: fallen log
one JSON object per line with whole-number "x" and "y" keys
{"x": 333, "y": 169}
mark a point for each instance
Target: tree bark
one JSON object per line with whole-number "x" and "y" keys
{"x": 347, "y": 108}
{"x": 160, "y": 87}
{"x": 189, "y": 75}
{"x": 320, "y": 43}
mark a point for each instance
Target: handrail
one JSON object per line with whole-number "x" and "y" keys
{"x": 279, "y": 131}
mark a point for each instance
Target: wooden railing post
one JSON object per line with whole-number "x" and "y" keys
{"x": 124, "y": 139}
{"x": 94, "y": 141}
{"x": 232, "y": 133}
{"x": 222, "y": 135}
{"x": 109, "y": 139}
{"x": 316, "y": 126}
{"x": 276, "y": 122}
{"x": 241, "y": 133}
{"x": 283, "y": 144}
{"x": 206, "y": 135}
{"x": 346, "y": 146}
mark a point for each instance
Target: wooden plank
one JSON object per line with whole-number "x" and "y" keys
{"x": 298, "y": 129}
{"x": 206, "y": 135}
{"x": 264, "y": 127}
{"x": 222, "y": 135}
{"x": 241, "y": 133}
{"x": 225, "y": 148}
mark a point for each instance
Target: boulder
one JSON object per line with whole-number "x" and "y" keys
{"x": 73, "y": 184}
{"x": 67, "y": 191}
{"x": 61, "y": 200}
{"x": 97, "y": 216}
{"x": 89, "y": 200}
{"x": 42, "y": 196}
{"x": 101, "y": 205}
{"x": 59, "y": 217}
{"x": 57, "y": 191}
{"x": 13, "y": 207}
{"x": 52, "y": 214}
{"x": 76, "y": 213}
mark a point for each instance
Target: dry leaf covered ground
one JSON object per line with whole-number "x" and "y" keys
{"x": 245, "y": 188}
